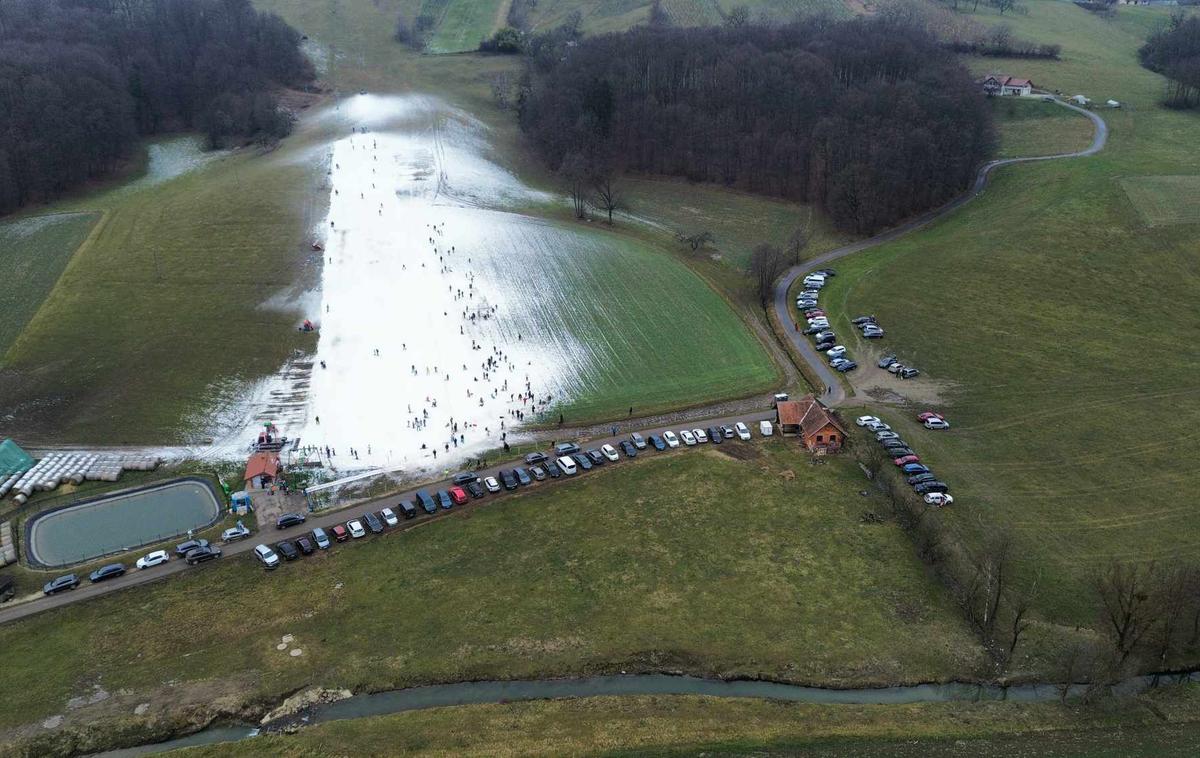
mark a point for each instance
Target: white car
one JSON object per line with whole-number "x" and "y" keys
{"x": 881, "y": 436}
{"x": 389, "y": 517}
{"x": 879, "y": 426}
{"x": 356, "y": 528}
{"x": 688, "y": 438}
{"x": 807, "y": 294}
{"x": 492, "y": 485}
{"x": 157, "y": 558}
{"x": 266, "y": 555}
{"x": 234, "y": 533}
{"x": 743, "y": 432}
{"x": 567, "y": 464}
{"x": 864, "y": 420}
{"x": 837, "y": 351}
{"x": 938, "y": 498}
{"x": 670, "y": 439}
{"x": 610, "y": 452}
{"x": 701, "y": 435}
{"x": 765, "y": 428}
{"x": 936, "y": 423}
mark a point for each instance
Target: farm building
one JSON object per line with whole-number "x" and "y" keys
{"x": 1003, "y": 85}
{"x": 261, "y": 470}
{"x": 812, "y": 422}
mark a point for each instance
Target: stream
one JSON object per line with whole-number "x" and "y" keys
{"x": 473, "y": 693}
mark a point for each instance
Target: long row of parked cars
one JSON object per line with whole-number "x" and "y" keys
{"x": 567, "y": 459}
{"x": 824, "y": 339}
{"x": 918, "y": 475}
{"x": 192, "y": 552}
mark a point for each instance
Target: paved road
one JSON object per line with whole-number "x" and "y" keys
{"x": 834, "y": 393}
{"x": 325, "y": 520}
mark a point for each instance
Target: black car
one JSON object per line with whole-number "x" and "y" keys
{"x": 860, "y": 320}
{"x": 67, "y": 582}
{"x": 584, "y": 462}
{"x": 826, "y": 272}
{"x": 924, "y": 488}
{"x": 465, "y": 477}
{"x": 899, "y": 452}
{"x": 565, "y": 448}
{"x": 921, "y": 478}
{"x": 815, "y": 329}
{"x": 533, "y": 458}
{"x": 522, "y": 477}
{"x": 202, "y": 554}
{"x": 552, "y": 468}
{"x": 596, "y": 457}
{"x": 823, "y": 346}
{"x": 847, "y": 366}
{"x": 475, "y": 489}
{"x": 289, "y": 519}
{"x": 893, "y": 444}
{"x": 538, "y": 473}
{"x": 657, "y": 442}
{"x": 408, "y": 509}
{"x": 886, "y": 361}
{"x": 111, "y": 571}
{"x": 444, "y": 500}
{"x": 373, "y": 522}
{"x": 426, "y": 501}
{"x": 287, "y": 550}
{"x": 508, "y": 479}
{"x": 715, "y": 436}
{"x": 826, "y": 336}
{"x": 183, "y": 548}
{"x": 306, "y": 546}
{"x": 628, "y": 448}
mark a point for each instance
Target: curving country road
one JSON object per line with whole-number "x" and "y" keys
{"x": 834, "y": 393}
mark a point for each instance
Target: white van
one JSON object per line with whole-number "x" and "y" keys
{"x": 765, "y": 429}
{"x": 567, "y": 464}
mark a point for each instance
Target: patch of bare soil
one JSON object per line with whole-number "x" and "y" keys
{"x": 876, "y": 383}
{"x": 739, "y": 450}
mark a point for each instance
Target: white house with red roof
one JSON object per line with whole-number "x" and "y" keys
{"x": 1003, "y": 84}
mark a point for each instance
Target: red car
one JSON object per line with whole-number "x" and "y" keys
{"x": 814, "y": 313}
{"x": 923, "y": 417}
{"x": 339, "y": 533}
{"x": 458, "y": 495}
{"x": 905, "y": 460}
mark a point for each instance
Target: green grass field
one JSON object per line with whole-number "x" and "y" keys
{"x": 740, "y": 560}
{"x": 600, "y": 16}
{"x": 1061, "y": 326}
{"x": 645, "y": 726}
{"x": 1028, "y": 126}
{"x": 33, "y": 253}
{"x": 1162, "y": 200}
{"x": 463, "y": 23}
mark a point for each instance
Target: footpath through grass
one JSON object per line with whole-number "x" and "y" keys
{"x": 644, "y": 726}
{"x": 743, "y": 560}
{"x": 1063, "y": 327}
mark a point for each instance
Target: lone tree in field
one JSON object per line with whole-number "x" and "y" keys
{"x": 576, "y": 177}
{"x": 1127, "y": 605}
{"x": 767, "y": 263}
{"x": 695, "y": 240}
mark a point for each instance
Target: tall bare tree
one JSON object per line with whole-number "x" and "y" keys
{"x": 1127, "y": 605}
{"x": 608, "y": 193}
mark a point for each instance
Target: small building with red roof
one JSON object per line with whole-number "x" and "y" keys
{"x": 262, "y": 469}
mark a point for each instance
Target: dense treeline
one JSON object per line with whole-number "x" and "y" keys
{"x": 871, "y": 120}
{"x": 1174, "y": 52}
{"x": 81, "y": 80}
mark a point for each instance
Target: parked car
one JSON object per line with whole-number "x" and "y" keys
{"x": 289, "y": 519}
{"x": 836, "y": 362}
{"x": 320, "y": 538}
{"x": 881, "y": 436}
{"x": 107, "y": 572}
{"x": 355, "y": 527}
{"x": 715, "y": 436}
{"x": 700, "y": 435}
{"x": 837, "y": 351}
{"x": 538, "y": 473}
{"x": 670, "y": 438}
{"x": 629, "y": 449}
{"x": 389, "y": 517}
{"x": 765, "y": 428}
{"x": 896, "y": 444}
{"x": 522, "y": 476}
{"x": 924, "y": 488}
{"x": 266, "y": 556}
{"x": 867, "y": 420}
{"x": 878, "y": 426}
{"x": 895, "y": 368}
{"x": 815, "y": 329}
{"x": 567, "y": 465}
{"x": 373, "y": 522}
{"x": 60, "y": 584}
{"x": 847, "y": 366}
{"x": 936, "y": 423}
{"x": 157, "y": 558}
{"x": 443, "y": 499}
{"x": 458, "y": 495}
{"x": 886, "y": 361}
{"x": 609, "y": 452}
{"x": 304, "y": 543}
{"x": 492, "y": 485}
{"x": 938, "y": 498}
{"x": 814, "y": 312}
{"x": 202, "y": 555}
{"x": 928, "y": 415}
{"x": 596, "y": 457}
{"x": 287, "y": 550}
{"x": 905, "y": 459}
{"x": 585, "y": 464}
{"x": 552, "y": 469}
{"x": 475, "y": 489}
{"x": 743, "y": 431}
{"x": 727, "y": 431}
{"x": 566, "y": 448}
{"x": 909, "y": 373}
{"x": 658, "y": 442}
{"x": 235, "y": 533}
{"x": 860, "y": 320}
{"x": 340, "y": 533}
{"x": 465, "y": 477}
{"x": 410, "y": 511}
{"x": 688, "y": 438}
{"x": 918, "y": 478}
{"x": 914, "y": 468}
{"x": 638, "y": 441}
{"x": 533, "y": 458}
{"x": 873, "y": 334}
{"x": 183, "y": 547}
{"x": 899, "y": 452}
{"x": 825, "y": 336}
{"x": 426, "y": 501}
{"x": 821, "y": 347}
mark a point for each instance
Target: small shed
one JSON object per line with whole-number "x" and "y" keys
{"x": 261, "y": 470}
{"x": 812, "y": 422}
{"x": 241, "y": 503}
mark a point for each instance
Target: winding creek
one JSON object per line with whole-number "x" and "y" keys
{"x": 476, "y": 693}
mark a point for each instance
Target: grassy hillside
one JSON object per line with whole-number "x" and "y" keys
{"x": 1059, "y": 326}
{"x": 1032, "y": 127}
{"x": 740, "y": 560}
